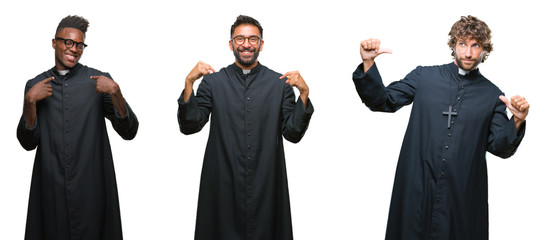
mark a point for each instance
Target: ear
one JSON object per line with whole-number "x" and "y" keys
{"x": 482, "y": 56}
{"x": 230, "y": 43}
{"x": 261, "y": 45}
{"x": 53, "y": 42}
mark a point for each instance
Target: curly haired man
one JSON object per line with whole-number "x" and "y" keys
{"x": 440, "y": 187}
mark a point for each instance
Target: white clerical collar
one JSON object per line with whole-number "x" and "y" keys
{"x": 63, "y": 72}
{"x": 463, "y": 72}
{"x": 246, "y": 71}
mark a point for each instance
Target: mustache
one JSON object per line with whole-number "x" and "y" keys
{"x": 246, "y": 48}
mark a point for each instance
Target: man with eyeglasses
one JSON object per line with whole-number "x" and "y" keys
{"x": 73, "y": 192}
{"x": 244, "y": 189}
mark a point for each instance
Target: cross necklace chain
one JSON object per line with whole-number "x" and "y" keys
{"x": 453, "y": 112}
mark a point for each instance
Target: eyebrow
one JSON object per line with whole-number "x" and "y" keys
{"x": 245, "y": 36}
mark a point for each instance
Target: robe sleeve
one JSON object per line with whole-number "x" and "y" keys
{"x": 194, "y": 114}
{"x": 377, "y": 97}
{"x": 28, "y": 137}
{"x": 504, "y": 139}
{"x": 295, "y": 116}
{"x": 125, "y": 126}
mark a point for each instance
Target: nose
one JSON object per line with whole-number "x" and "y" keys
{"x": 74, "y": 48}
{"x": 468, "y": 52}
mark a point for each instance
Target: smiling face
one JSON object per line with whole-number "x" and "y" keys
{"x": 67, "y": 58}
{"x": 468, "y": 53}
{"x": 246, "y": 54}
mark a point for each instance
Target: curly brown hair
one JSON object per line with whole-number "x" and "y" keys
{"x": 474, "y": 28}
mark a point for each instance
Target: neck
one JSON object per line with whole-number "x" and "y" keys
{"x": 60, "y": 67}
{"x": 246, "y": 67}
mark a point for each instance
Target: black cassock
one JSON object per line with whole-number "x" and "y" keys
{"x": 244, "y": 189}
{"x": 73, "y": 193}
{"x": 440, "y": 187}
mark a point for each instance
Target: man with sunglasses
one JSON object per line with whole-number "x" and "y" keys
{"x": 73, "y": 192}
{"x": 244, "y": 189}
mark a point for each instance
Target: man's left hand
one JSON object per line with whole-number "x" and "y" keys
{"x": 295, "y": 80}
{"x": 105, "y": 84}
{"x": 519, "y": 108}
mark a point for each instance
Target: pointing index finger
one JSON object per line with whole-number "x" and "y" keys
{"x": 285, "y": 75}
{"x": 49, "y": 79}
{"x": 94, "y": 77}
{"x": 212, "y": 69}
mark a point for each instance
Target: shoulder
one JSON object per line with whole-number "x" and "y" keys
{"x": 433, "y": 68}
{"x": 93, "y": 72}
{"x": 433, "y": 71}
{"x": 39, "y": 77}
{"x": 490, "y": 86}
{"x": 269, "y": 72}
{"x": 216, "y": 76}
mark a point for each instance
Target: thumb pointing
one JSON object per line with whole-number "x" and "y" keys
{"x": 506, "y": 101}
{"x": 384, "y": 50}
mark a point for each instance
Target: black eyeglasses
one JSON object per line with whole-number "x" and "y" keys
{"x": 70, "y": 43}
{"x": 240, "y": 39}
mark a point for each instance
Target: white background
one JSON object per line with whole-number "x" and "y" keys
{"x": 341, "y": 173}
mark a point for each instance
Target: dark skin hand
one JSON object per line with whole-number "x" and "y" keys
{"x": 106, "y": 85}
{"x": 38, "y": 92}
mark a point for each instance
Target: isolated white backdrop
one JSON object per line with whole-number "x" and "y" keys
{"x": 341, "y": 174}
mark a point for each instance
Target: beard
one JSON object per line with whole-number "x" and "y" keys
{"x": 474, "y": 66}
{"x": 246, "y": 61}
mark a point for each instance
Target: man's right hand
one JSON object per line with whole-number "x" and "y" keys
{"x": 36, "y": 93}
{"x": 369, "y": 50}
{"x": 200, "y": 70}
{"x": 39, "y": 91}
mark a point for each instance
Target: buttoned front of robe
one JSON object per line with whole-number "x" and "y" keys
{"x": 440, "y": 187}
{"x": 73, "y": 191}
{"x": 244, "y": 189}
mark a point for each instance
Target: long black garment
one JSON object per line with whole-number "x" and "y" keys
{"x": 440, "y": 187}
{"x": 244, "y": 189}
{"x": 73, "y": 193}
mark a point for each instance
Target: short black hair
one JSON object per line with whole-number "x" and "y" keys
{"x": 74, "y": 21}
{"x": 242, "y": 19}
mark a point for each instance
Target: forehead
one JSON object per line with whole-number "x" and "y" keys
{"x": 246, "y": 30}
{"x": 467, "y": 39}
{"x": 71, "y": 33}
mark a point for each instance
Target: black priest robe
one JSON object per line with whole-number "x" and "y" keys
{"x": 244, "y": 190}
{"x": 440, "y": 186}
{"x": 73, "y": 193}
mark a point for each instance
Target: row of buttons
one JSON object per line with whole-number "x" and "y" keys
{"x": 250, "y": 211}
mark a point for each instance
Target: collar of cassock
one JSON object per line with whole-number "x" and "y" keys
{"x": 69, "y": 74}
{"x": 240, "y": 71}
{"x": 454, "y": 68}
